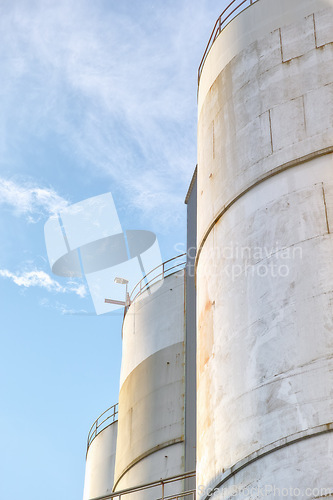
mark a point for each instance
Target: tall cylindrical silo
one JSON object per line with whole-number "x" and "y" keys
{"x": 150, "y": 442}
{"x": 265, "y": 254}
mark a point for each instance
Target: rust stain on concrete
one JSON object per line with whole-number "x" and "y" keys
{"x": 206, "y": 335}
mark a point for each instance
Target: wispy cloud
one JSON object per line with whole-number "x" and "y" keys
{"x": 29, "y": 200}
{"x": 64, "y": 309}
{"x": 39, "y": 278}
{"x": 116, "y": 85}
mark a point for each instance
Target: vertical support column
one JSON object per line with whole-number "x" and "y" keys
{"x": 190, "y": 335}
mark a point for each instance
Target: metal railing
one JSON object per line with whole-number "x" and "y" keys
{"x": 162, "y": 483}
{"x": 188, "y": 495}
{"x": 158, "y": 273}
{"x": 106, "y": 418}
{"x": 232, "y": 8}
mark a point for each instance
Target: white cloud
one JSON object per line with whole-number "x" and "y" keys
{"x": 29, "y": 200}
{"x": 115, "y": 84}
{"x": 63, "y": 308}
{"x": 41, "y": 279}
{"x": 79, "y": 289}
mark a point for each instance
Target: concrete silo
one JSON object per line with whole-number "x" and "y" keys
{"x": 101, "y": 455}
{"x": 136, "y": 449}
{"x": 265, "y": 253}
{"x": 150, "y": 443}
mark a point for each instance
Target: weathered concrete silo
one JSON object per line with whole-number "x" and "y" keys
{"x": 150, "y": 442}
{"x": 101, "y": 455}
{"x": 265, "y": 253}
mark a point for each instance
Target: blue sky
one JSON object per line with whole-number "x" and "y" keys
{"x": 95, "y": 97}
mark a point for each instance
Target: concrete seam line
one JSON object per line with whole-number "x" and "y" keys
{"x": 146, "y": 454}
{"x": 268, "y": 449}
{"x": 272, "y": 173}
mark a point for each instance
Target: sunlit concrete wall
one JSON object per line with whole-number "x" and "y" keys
{"x": 100, "y": 463}
{"x": 151, "y": 402}
{"x": 265, "y": 259}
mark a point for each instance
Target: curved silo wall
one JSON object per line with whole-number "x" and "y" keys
{"x": 151, "y": 401}
{"x": 264, "y": 265}
{"x": 100, "y": 463}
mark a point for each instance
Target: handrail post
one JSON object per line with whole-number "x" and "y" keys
{"x": 162, "y": 490}
{"x": 218, "y": 28}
